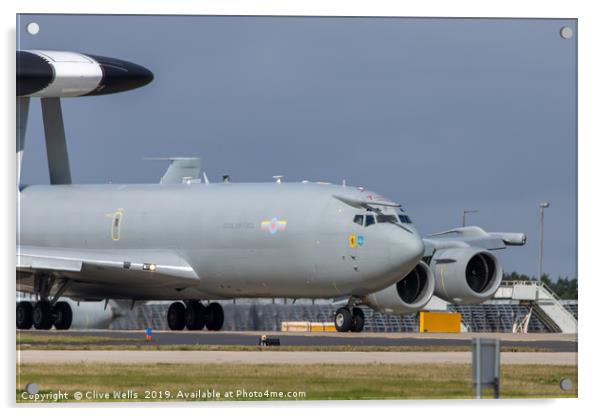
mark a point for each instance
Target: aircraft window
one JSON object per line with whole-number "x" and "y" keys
{"x": 370, "y": 220}
{"x": 386, "y": 218}
{"x": 405, "y": 219}
{"x": 359, "y": 219}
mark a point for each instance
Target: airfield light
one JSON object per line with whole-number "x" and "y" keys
{"x": 542, "y": 206}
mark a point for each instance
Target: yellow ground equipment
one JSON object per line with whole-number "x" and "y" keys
{"x": 440, "y": 321}
{"x": 306, "y": 326}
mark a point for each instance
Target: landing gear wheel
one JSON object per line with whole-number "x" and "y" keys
{"x": 215, "y": 317}
{"x": 358, "y": 320}
{"x": 24, "y": 315}
{"x": 42, "y": 315}
{"x": 63, "y": 315}
{"x": 343, "y": 320}
{"x": 176, "y": 316}
{"x": 196, "y": 316}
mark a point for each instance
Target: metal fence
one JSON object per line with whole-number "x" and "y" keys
{"x": 256, "y": 316}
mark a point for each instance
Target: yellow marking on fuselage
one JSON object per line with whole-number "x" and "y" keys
{"x": 352, "y": 241}
{"x": 116, "y": 225}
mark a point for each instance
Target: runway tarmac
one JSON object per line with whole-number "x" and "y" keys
{"x": 551, "y": 342}
{"x": 282, "y": 357}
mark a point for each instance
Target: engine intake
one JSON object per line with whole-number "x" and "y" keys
{"x": 466, "y": 275}
{"x": 408, "y": 295}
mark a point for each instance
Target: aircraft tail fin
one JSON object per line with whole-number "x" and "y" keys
{"x": 180, "y": 169}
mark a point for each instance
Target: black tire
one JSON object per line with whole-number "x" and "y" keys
{"x": 24, "y": 315}
{"x": 215, "y": 317}
{"x": 358, "y": 320}
{"x": 343, "y": 320}
{"x": 196, "y": 315}
{"x": 62, "y": 315}
{"x": 42, "y": 315}
{"x": 176, "y": 319}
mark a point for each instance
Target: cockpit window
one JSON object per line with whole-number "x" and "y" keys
{"x": 359, "y": 219}
{"x": 386, "y": 218}
{"x": 370, "y": 220}
{"x": 405, "y": 219}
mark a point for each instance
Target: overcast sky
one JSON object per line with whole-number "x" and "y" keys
{"x": 438, "y": 114}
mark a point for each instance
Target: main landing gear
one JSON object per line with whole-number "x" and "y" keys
{"x": 45, "y": 313}
{"x": 195, "y": 316}
{"x": 349, "y": 319}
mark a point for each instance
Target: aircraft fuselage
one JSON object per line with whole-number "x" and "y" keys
{"x": 239, "y": 240}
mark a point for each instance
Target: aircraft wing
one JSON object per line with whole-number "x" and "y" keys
{"x": 472, "y": 236}
{"x": 108, "y": 267}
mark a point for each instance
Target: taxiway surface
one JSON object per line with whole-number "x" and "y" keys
{"x": 547, "y": 342}
{"x": 283, "y": 357}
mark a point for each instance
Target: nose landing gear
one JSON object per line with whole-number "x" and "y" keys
{"x": 349, "y": 319}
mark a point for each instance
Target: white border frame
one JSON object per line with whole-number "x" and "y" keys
{"x": 589, "y": 31}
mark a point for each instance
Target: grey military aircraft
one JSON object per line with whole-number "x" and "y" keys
{"x": 193, "y": 242}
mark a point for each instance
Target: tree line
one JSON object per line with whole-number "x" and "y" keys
{"x": 564, "y": 287}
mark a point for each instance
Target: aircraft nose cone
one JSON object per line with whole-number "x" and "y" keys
{"x": 405, "y": 249}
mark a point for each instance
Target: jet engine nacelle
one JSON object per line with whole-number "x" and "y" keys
{"x": 465, "y": 275}
{"x": 92, "y": 315}
{"x": 409, "y": 295}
